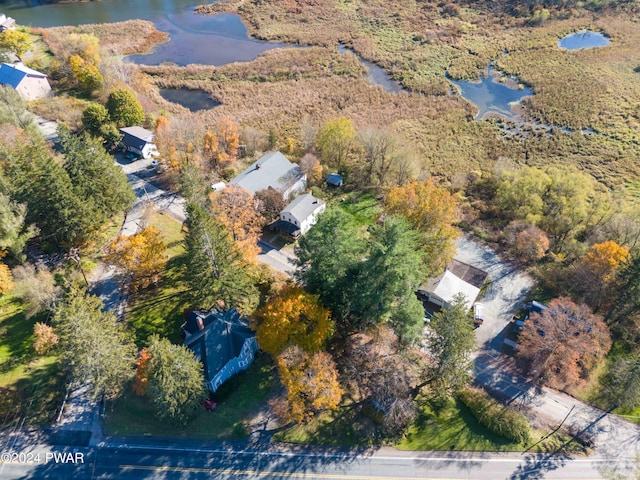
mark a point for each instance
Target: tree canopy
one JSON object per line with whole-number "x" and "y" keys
{"x": 293, "y": 317}
{"x": 217, "y": 272}
{"x": 563, "y": 343}
{"x": 175, "y": 381}
{"x": 124, "y": 109}
{"x": 93, "y": 345}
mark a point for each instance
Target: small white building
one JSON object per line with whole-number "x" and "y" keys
{"x": 300, "y": 215}
{"x": 30, "y": 84}
{"x": 139, "y": 141}
{"x": 6, "y": 23}
{"x": 458, "y": 277}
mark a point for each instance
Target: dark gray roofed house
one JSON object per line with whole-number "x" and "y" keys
{"x": 275, "y": 171}
{"x": 222, "y": 341}
{"x": 29, "y": 83}
{"x": 139, "y": 141}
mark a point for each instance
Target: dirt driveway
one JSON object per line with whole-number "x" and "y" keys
{"x": 505, "y": 295}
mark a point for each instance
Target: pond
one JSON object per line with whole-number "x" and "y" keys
{"x": 583, "y": 39}
{"x": 194, "y": 100}
{"x": 209, "y": 40}
{"x": 375, "y": 75}
{"x": 491, "y": 95}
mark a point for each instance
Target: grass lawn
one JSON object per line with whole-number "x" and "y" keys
{"x": 159, "y": 310}
{"x": 362, "y": 207}
{"x": 345, "y": 427}
{"x": 238, "y": 400}
{"x": 29, "y": 383}
{"x": 455, "y": 428}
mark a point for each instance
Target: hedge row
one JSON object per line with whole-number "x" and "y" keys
{"x": 497, "y": 418}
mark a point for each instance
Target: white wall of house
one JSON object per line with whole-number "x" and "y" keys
{"x": 303, "y": 223}
{"x": 297, "y": 187}
{"x": 32, "y": 88}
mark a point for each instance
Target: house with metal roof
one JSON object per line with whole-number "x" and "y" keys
{"x": 275, "y": 171}
{"x": 300, "y": 215}
{"x": 30, "y": 84}
{"x": 457, "y": 278}
{"x": 139, "y": 141}
{"x": 222, "y": 341}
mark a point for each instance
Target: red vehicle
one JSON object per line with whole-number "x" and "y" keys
{"x": 209, "y": 405}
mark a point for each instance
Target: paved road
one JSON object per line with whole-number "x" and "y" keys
{"x": 180, "y": 461}
{"x": 276, "y": 259}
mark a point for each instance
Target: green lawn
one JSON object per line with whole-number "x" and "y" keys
{"x": 159, "y": 310}
{"x": 363, "y": 207}
{"x": 29, "y": 383}
{"x": 455, "y": 428}
{"x": 238, "y": 401}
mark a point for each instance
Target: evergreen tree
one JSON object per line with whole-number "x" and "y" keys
{"x": 451, "y": 344}
{"x": 93, "y": 345}
{"x": 175, "y": 381}
{"x": 216, "y": 271}
{"x": 94, "y": 176}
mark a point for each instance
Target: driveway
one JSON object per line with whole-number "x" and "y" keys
{"x": 506, "y": 293}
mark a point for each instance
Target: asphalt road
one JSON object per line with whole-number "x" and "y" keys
{"x": 175, "y": 462}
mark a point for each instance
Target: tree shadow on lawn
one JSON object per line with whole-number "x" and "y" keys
{"x": 16, "y": 335}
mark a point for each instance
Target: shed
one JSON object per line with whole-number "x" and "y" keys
{"x": 334, "y": 179}
{"x": 458, "y": 277}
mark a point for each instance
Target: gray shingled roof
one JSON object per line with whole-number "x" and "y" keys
{"x": 274, "y": 171}
{"x": 303, "y": 206}
{"x": 136, "y": 137}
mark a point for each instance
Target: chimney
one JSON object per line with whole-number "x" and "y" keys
{"x": 200, "y": 323}
{"x": 258, "y": 166}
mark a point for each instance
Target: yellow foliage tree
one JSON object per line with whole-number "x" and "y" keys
{"x": 432, "y": 211}
{"x": 236, "y": 209}
{"x": 311, "y": 382}
{"x": 293, "y": 317}
{"x": 141, "y": 381}
{"x": 228, "y": 140}
{"x": 6, "y": 279}
{"x": 45, "y": 338}
{"x": 603, "y": 259}
{"x": 142, "y": 257}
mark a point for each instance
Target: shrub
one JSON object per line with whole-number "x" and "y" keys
{"x": 497, "y": 418}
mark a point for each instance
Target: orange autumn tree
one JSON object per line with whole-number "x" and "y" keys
{"x": 228, "y": 141}
{"x": 6, "y": 279}
{"x": 595, "y": 274}
{"x": 430, "y": 210}
{"x": 562, "y": 344}
{"x": 293, "y": 317}
{"x": 236, "y": 209}
{"x": 311, "y": 382}
{"x": 141, "y": 257}
{"x": 141, "y": 381}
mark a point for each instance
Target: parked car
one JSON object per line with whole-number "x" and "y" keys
{"x": 478, "y": 313}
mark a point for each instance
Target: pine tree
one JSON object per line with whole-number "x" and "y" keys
{"x": 216, "y": 271}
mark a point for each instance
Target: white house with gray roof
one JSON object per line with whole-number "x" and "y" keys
{"x": 30, "y": 84}
{"x": 139, "y": 141}
{"x": 6, "y": 23}
{"x": 275, "y": 171}
{"x": 301, "y": 214}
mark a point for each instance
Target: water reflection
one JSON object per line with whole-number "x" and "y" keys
{"x": 375, "y": 75}
{"x": 194, "y": 100}
{"x": 491, "y": 95}
{"x": 583, "y": 39}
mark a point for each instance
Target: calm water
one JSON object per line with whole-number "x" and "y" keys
{"x": 491, "y": 96}
{"x": 209, "y": 40}
{"x": 194, "y": 100}
{"x": 583, "y": 39}
{"x": 376, "y": 75}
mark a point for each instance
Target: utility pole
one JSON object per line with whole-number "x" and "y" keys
{"x": 73, "y": 255}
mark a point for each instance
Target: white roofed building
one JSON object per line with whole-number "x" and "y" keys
{"x": 458, "y": 278}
